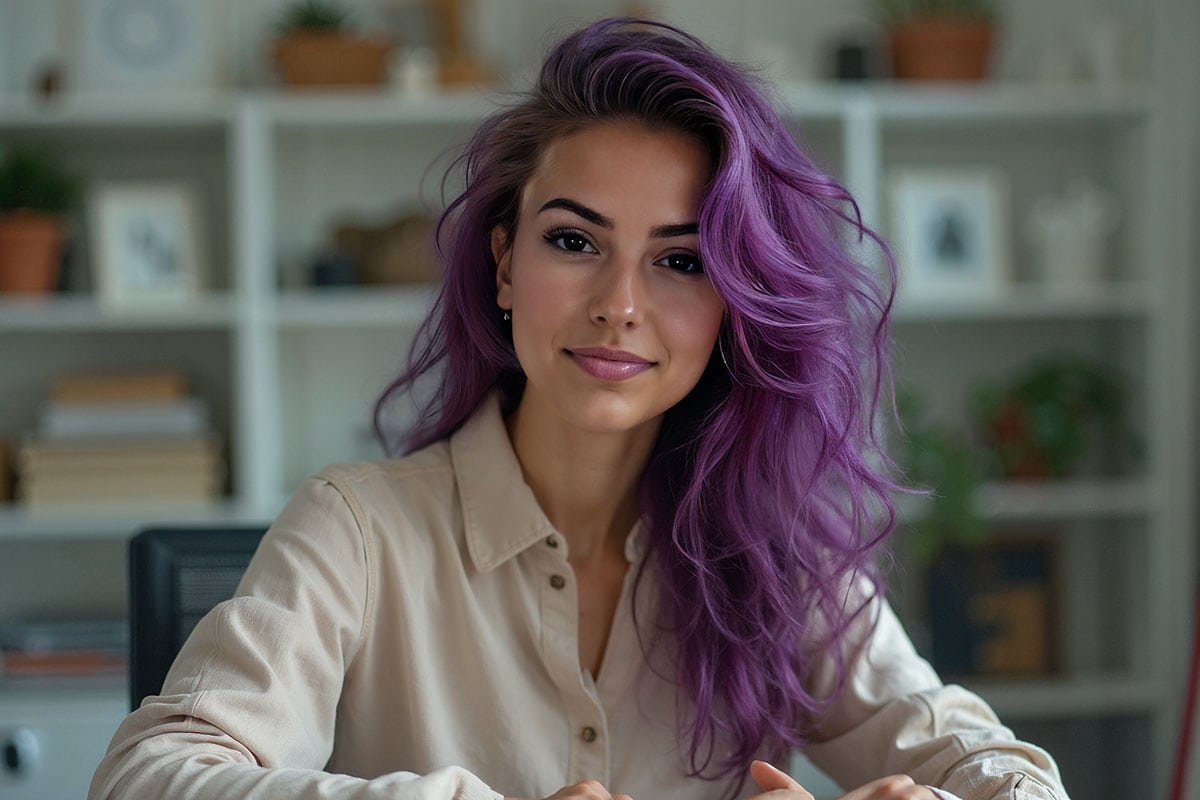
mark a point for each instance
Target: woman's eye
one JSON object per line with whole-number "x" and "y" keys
{"x": 570, "y": 241}
{"x": 682, "y": 262}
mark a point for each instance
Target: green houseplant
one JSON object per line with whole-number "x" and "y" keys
{"x": 1041, "y": 423}
{"x": 939, "y": 40}
{"x": 316, "y": 47}
{"x": 36, "y": 190}
{"x": 948, "y": 466}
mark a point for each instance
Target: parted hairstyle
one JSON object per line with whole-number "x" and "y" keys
{"x": 768, "y": 492}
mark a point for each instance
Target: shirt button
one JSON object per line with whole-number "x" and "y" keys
{"x": 558, "y": 581}
{"x": 588, "y": 734}
{"x": 551, "y": 541}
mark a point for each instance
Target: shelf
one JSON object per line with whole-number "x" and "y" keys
{"x": 68, "y": 697}
{"x": 1067, "y": 697}
{"x": 998, "y": 101}
{"x": 23, "y": 525}
{"x": 125, "y": 111}
{"x": 1063, "y": 500}
{"x": 986, "y": 104}
{"x": 83, "y": 312}
{"x": 1031, "y": 302}
{"x": 1051, "y": 501}
{"x": 309, "y": 109}
{"x": 354, "y": 307}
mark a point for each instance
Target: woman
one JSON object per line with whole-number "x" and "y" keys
{"x": 631, "y": 548}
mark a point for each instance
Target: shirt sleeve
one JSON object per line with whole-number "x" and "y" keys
{"x": 894, "y": 716}
{"x": 249, "y": 707}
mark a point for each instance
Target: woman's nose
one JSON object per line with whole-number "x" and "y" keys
{"x": 619, "y": 296}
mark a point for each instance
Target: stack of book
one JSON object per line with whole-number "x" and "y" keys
{"x": 120, "y": 439}
{"x": 79, "y": 651}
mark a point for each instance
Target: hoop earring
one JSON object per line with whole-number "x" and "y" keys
{"x": 721, "y": 351}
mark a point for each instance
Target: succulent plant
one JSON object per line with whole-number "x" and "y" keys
{"x": 35, "y": 178}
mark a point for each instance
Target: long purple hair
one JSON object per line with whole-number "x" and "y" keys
{"x": 768, "y": 491}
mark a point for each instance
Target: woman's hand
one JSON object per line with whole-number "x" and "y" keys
{"x": 778, "y": 785}
{"x": 584, "y": 790}
{"x": 893, "y": 787}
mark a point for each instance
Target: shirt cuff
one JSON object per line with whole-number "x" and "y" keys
{"x": 942, "y": 794}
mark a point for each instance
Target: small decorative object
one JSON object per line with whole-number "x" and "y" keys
{"x": 145, "y": 44}
{"x": 6, "y": 472}
{"x": 146, "y": 243}
{"x": 1070, "y": 234}
{"x": 1040, "y": 425}
{"x": 852, "y": 61}
{"x": 400, "y": 251}
{"x": 315, "y": 47}
{"x": 456, "y": 65}
{"x": 994, "y": 609}
{"x": 949, "y": 230}
{"x": 939, "y": 40}
{"x": 36, "y": 189}
{"x": 1106, "y": 46}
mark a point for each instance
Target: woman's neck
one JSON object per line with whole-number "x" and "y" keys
{"x": 585, "y": 482}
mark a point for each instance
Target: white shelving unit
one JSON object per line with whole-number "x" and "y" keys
{"x": 291, "y": 371}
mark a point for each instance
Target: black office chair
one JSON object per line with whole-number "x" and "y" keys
{"x": 176, "y": 575}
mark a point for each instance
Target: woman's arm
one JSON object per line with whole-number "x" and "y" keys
{"x": 249, "y": 707}
{"x": 896, "y": 717}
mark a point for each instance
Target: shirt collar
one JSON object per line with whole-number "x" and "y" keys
{"x": 501, "y": 517}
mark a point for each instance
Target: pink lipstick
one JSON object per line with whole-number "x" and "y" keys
{"x": 609, "y": 365}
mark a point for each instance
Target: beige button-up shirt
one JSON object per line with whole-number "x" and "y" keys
{"x": 408, "y": 629}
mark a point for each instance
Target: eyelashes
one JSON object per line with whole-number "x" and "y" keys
{"x": 569, "y": 240}
{"x": 574, "y": 241}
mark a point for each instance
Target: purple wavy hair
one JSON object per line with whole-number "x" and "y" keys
{"x": 768, "y": 489}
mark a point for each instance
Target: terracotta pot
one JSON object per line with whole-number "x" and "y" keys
{"x": 331, "y": 59}
{"x": 31, "y": 249}
{"x": 941, "y": 49}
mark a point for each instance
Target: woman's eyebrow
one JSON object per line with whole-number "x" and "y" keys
{"x": 596, "y": 218}
{"x": 579, "y": 209}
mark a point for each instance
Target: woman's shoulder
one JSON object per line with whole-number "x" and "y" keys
{"x": 431, "y": 463}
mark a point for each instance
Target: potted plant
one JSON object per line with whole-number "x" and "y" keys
{"x": 35, "y": 192}
{"x": 939, "y": 40}
{"x": 1042, "y": 423}
{"x": 315, "y": 46}
{"x": 948, "y": 466}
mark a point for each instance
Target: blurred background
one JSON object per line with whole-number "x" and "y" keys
{"x": 214, "y": 251}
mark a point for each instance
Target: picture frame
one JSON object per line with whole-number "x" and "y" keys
{"x": 995, "y": 607}
{"x": 145, "y": 44}
{"x": 949, "y": 232}
{"x": 146, "y": 243}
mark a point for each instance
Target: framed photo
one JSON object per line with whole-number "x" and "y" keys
{"x": 994, "y": 608}
{"x": 145, "y": 243}
{"x": 144, "y": 44}
{"x": 949, "y": 230}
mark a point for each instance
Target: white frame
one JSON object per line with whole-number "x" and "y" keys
{"x": 969, "y": 206}
{"x": 178, "y": 41}
{"x": 125, "y": 273}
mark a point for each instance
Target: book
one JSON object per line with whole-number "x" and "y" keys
{"x": 64, "y": 662}
{"x": 184, "y": 417}
{"x": 37, "y": 453}
{"x": 120, "y": 489}
{"x": 117, "y": 387}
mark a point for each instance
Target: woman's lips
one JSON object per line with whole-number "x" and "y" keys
{"x": 609, "y": 365}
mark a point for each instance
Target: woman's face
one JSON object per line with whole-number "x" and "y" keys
{"x": 613, "y": 318}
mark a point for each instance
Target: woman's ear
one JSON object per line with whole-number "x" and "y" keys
{"x": 502, "y": 253}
